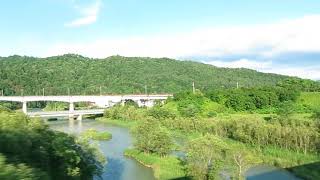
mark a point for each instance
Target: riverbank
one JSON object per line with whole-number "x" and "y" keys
{"x": 168, "y": 167}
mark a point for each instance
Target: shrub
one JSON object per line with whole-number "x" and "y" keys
{"x": 161, "y": 113}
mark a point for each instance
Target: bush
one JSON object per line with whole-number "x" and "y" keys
{"x": 211, "y": 114}
{"x": 124, "y": 113}
{"x": 285, "y": 109}
{"x": 92, "y": 134}
{"x": 20, "y": 171}
{"x": 316, "y": 114}
{"x": 161, "y": 113}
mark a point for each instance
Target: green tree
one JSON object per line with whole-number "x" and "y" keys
{"x": 286, "y": 109}
{"x": 151, "y": 137}
{"x": 203, "y": 156}
{"x": 243, "y": 160}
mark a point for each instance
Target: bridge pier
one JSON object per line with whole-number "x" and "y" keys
{"x": 24, "y": 107}
{"x": 71, "y": 109}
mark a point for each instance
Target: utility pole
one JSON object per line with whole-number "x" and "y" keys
{"x": 237, "y": 85}
{"x": 42, "y": 91}
{"x": 145, "y": 89}
{"x": 193, "y": 88}
{"x": 68, "y": 91}
{"x": 2, "y": 92}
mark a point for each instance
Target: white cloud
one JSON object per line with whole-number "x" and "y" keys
{"x": 89, "y": 15}
{"x": 262, "y": 40}
{"x": 269, "y": 67}
{"x": 303, "y": 72}
{"x": 265, "y": 39}
{"x": 242, "y": 63}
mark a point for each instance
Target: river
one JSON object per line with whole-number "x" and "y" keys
{"x": 120, "y": 167}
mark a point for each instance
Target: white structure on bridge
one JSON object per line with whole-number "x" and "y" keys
{"x": 100, "y": 101}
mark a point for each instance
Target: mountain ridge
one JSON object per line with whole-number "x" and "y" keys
{"x": 118, "y": 74}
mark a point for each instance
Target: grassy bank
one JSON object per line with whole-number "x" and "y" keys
{"x": 301, "y": 165}
{"x": 168, "y": 167}
{"x": 95, "y": 135}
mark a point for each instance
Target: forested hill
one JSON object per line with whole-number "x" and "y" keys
{"x": 116, "y": 74}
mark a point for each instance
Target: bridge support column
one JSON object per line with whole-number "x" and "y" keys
{"x": 71, "y": 109}
{"x": 24, "y": 107}
{"x": 140, "y": 103}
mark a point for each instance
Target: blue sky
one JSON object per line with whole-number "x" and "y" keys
{"x": 278, "y": 36}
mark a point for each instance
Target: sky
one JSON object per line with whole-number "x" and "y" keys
{"x": 276, "y": 36}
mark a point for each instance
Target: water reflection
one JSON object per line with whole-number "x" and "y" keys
{"x": 265, "y": 172}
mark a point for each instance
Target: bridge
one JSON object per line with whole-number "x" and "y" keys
{"x": 76, "y": 113}
{"x": 100, "y": 101}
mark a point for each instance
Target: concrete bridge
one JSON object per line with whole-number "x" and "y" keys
{"x": 76, "y": 114}
{"x": 100, "y": 101}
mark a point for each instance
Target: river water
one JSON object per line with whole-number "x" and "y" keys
{"x": 120, "y": 167}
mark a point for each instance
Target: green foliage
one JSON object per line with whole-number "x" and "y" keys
{"x": 242, "y": 159}
{"x": 9, "y": 105}
{"x": 164, "y": 167}
{"x": 4, "y": 109}
{"x": 56, "y": 106}
{"x": 124, "y": 113}
{"x": 19, "y": 171}
{"x": 310, "y": 100}
{"x": 118, "y": 74}
{"x": 92, "y": 134}
{"x": 203, "y": 156}
{"x": 316, "y": 115}
{"x": 131, "y": 103}
{"x": 284, "y": 141}
{"x": 56, "y": 154}
{"x": 161, "y": 113}
{"x": 300, "y": 84}
{"x": 286, "y": 109}
{"x": 189, "y": 104}
{"x": 253, "y": 99}
{"x": 150, "y": 137}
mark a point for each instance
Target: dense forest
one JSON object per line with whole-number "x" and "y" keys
{"x": 74, "y": 74}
